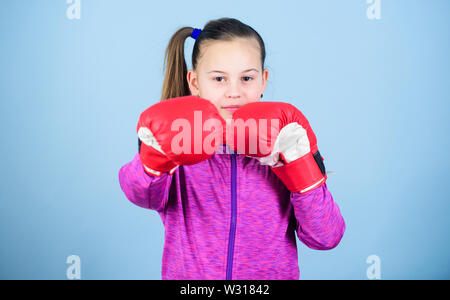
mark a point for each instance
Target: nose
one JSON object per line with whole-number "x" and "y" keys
{"x": 233, "y": 90}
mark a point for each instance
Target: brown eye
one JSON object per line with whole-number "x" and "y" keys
{"x": 249, "y": 78}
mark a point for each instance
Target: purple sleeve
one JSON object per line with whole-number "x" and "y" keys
{"x": 142, "y": 189}
{"x": 320, "y": 225}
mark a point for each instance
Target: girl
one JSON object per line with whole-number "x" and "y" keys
{"x": 228, "y": 216}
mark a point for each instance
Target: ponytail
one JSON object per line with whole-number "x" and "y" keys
{"x": 175, "y": 79}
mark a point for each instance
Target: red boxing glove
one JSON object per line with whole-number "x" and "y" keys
{"x": 178, "y": 131}
{"x": 279, "y": 135}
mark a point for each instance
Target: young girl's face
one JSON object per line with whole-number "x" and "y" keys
{"x": 229, "y": 75}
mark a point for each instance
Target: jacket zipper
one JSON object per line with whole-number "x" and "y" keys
{"x": 233, "y": 218}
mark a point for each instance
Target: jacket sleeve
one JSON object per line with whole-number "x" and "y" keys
{"x": 142, "y": 189}
{"x": 320, "y": 225}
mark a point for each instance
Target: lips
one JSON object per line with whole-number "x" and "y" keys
{"x": 231, "y": 108}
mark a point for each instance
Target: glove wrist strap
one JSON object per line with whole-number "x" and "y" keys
{"x": 301, "y": 175}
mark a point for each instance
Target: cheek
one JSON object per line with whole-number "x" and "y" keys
{"x": 253, "y": 94}
{"x": 254, "y": 99}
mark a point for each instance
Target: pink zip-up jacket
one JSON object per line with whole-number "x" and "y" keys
{"x": 231, "y": 218}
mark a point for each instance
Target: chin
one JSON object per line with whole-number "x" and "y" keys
{"x": 226, "y": 115}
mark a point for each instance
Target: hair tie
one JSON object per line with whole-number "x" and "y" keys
{"x": 196, "y": 33}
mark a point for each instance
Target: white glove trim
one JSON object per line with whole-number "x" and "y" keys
{"x": 156, "y": 173}
{"x": 292, "y": 141}
{"x": 312, "y": 186}
{"x": 147, "y": 137}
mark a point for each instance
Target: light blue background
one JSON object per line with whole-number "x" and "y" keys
{"x": 376, "y": 93}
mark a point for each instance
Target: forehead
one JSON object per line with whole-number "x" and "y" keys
{"x": 230, "y": 56}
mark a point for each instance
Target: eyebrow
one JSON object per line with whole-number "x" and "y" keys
{"x": 216, "y": 71}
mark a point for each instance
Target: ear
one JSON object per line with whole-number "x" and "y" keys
{"x": 193, "y": 82}
{"x": 265, "y": 78}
